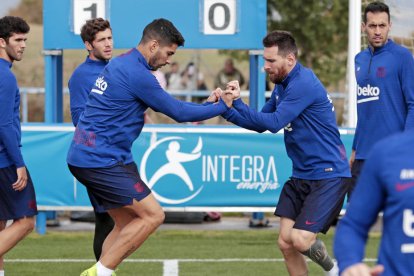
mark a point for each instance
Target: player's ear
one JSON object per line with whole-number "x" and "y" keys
{"x": 291, "y": 59}
{"x": 88, "y": 46}
{"x": 363, "y": 27}
{"x": 154, "y": 44}
{"x": 3, "y": 43}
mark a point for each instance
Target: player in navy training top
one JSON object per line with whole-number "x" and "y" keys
{"x": 385, "y": 93}
{"x": 96, "y": 34}
{"x": 100, "y": 154}
{"x": 17, "y": 195}
{"x": 312, "y": 199}
{"x": 386, "y": 185}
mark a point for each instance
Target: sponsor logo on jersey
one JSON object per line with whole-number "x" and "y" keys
{"x": 100, "y": 86}
{"x": 288, "y": 127}
{"x": 407, "y": 174}
{"x": 408, "y": 229}
{"x": 368, "y": 93}
{"x": 331, "y": 102}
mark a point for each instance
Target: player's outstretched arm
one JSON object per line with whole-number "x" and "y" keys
{"x": 272, "y": 118}
{"x": 150, "y": 92}
{"x": 352, "y": 231}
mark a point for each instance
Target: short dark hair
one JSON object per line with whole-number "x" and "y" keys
{"x": 163, "y": 31}
{"x": 376, "y": 7}
{"x": 283, "y": 40}
{"x": 10, "y": 25}
{"x": 92, "y": 27}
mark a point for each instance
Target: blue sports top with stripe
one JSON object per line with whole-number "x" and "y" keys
{"x": 10, "y": 130}
{"x": 300, "y": 105}
{"x": 386, "y": 184}
{"x": 385, "y": 94}
{"x": 114, "y": 113}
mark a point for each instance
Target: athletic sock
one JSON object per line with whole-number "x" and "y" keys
{"x": 101, "y": 270}
{"x": 1, "y": 272}
{"x": 318, "y": 253}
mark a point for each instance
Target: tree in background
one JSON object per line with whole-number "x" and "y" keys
{"x": 321, "y": 30}
{"x": 30, "y": 10}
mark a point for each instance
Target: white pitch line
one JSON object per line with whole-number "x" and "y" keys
{"x": 170, "y": 268}
{"x": 369, "y": 260}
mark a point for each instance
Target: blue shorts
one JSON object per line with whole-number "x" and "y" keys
{"x": 112, "y": 187}
{"x": 312, "y": 204}
{"x": 16, "y": 204}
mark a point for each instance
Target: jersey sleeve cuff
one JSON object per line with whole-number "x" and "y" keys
{"x": 238, "y": 103}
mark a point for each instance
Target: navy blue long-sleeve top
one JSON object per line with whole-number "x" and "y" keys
{"x": 386, "y": 184}
{"x": 10, "y": 130}
{"x": 80, "y": 85}
{"x": 114, "y": 113}
{"x": 385, "y": 95}
{"x": 300, "y": 105}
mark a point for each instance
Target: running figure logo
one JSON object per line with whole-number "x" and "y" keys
{"x": 172, "y": 167}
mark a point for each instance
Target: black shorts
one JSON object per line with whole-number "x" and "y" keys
{"x": 112, "y": 187}
{"x": 16, "y": 204}
{"x": 355, "y": 171}
{"x": 312, "y": 204}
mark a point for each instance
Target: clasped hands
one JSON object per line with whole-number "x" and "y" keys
{"x": 231, "y": 93}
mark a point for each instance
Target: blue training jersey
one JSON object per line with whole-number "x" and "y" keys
{"x": 114, "y": 113}
{"x": 385, "y": 184}
{"x": 10, "y": 131}
{"x": 385, "y": 94}
{"x": 80, "y": 85}
{"x": 300, "y": 105}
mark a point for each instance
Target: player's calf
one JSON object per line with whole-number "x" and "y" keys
{"x": 318, "y": 253}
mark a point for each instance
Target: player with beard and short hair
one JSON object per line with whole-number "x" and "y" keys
{"x": 385, "y": 87}
{"x": 313, "y": 197}
{"x": 100, "y": 154}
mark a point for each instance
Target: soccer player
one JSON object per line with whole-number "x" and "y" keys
{"x": 386, "y": 185}
{"x": 17, "y": 195}
{"x": 96, "y": 34}
{"x": 385, "y": 94}
{"x": 100, "y": 154}
{"x": 312, "y": 198}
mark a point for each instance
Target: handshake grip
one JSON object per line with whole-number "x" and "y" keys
{"x": 233, "y": 88}
{"x": 231, "y": 93}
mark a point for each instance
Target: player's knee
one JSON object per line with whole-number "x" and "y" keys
{"x": 302, "y": 240}
{"x": 283, "y": 244}
{"x": 26, "y": 225}
{"x": 157, "y": 218}
{"x": 160, "y": 218}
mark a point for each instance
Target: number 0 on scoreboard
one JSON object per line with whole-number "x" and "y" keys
{"x": 220, "y": 17}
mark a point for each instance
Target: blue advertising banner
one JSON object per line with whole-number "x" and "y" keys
{"x": 184, "y": 166}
